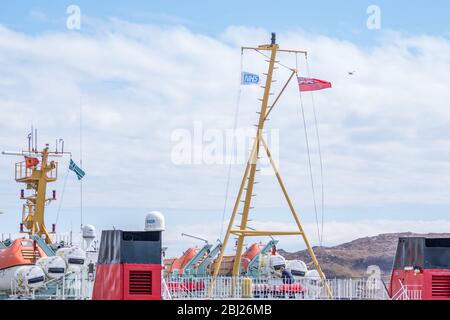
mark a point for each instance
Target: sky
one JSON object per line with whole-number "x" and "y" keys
{"x": 147, "y": 72}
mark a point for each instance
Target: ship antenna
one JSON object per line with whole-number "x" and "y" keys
{"x": 30, "y": 137}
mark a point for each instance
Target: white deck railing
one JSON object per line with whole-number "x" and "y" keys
{"x": 73, "y": 286}
{"x": 251, "y": 288}
{"x": 408, "y": 292}
{"x": 79, "y": 286}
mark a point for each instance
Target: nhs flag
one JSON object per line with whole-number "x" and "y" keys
{"x": 248, "y": 78}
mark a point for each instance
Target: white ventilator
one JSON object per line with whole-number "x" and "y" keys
{"x": 54, "y": 267}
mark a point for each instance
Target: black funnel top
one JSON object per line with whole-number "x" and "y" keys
{"x": 137, "y": 247}
{"x": 427, "y": 253}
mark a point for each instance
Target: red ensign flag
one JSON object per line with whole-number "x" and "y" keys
{"x": 310, "y": 84}
{"x": 31, "y": 162}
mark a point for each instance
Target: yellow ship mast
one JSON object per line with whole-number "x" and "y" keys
{"x": 36, "y": 172}
{"x": 248, "y": 179}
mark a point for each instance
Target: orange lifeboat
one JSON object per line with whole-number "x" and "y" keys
{"x": 226, "y": 268}
{"x": 248, "y": 255}
{"x": 179, "y": 264}
{"x": 17, "y": 266}
{"x": 20, "y": 252}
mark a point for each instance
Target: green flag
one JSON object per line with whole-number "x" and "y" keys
{"x": 78, "y": 171}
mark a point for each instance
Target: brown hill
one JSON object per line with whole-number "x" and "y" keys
{"x": 352, "y": 259}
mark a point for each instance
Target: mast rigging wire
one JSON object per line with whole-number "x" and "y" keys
{"x": 277, "y": 62}
{"x": 309, "y": 164}
{"x": 320, "y": 153}
{"x": 309, "y": 157}
{"x": 236, "y": 113}
{"x": 62, "y": 196}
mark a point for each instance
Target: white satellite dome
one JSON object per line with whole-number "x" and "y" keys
{"x": 154, "y": 221}
{"x": 88, "y": 231}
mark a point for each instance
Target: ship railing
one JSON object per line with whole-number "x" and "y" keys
{"x": 72, "y": 286}
{"x": 22, "y": 172}
{"x": 274, "y": 288}
{"x": 75, "y": 286}
{"x": 408, "y": 292}
{"x": 358, "y": 289}
{"x": 165, "y": 290}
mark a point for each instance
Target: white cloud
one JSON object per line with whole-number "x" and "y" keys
{"x": 384, "y": 130}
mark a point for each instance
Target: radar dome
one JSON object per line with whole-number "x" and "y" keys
{"x": 88, "y": 231}
{"x": 154, "y": 221}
